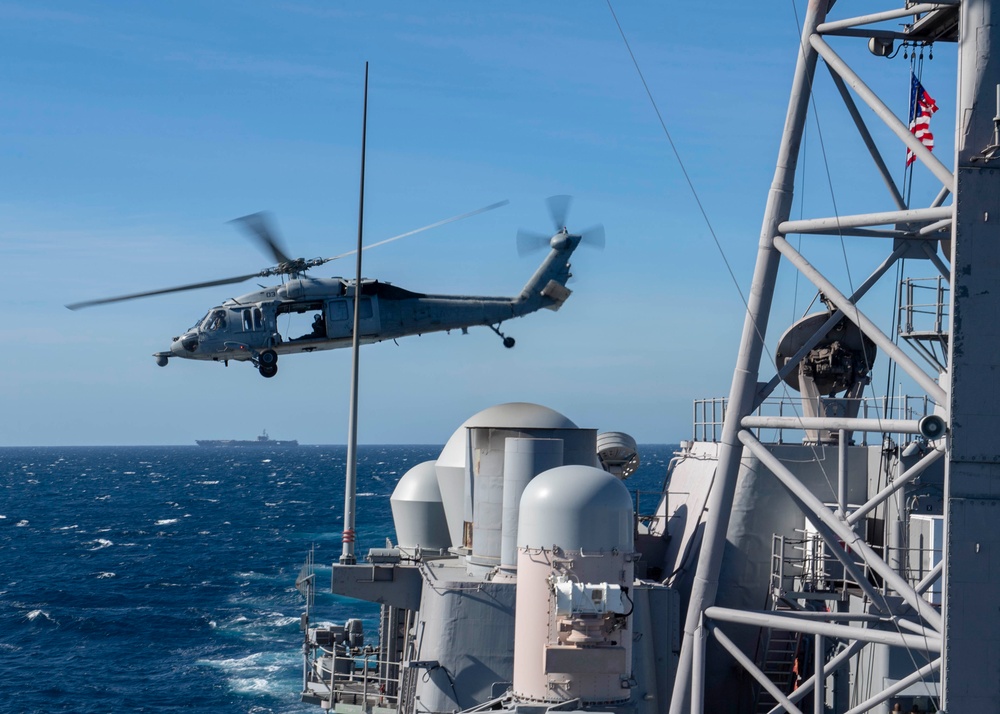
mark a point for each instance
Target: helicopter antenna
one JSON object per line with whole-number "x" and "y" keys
{"x": 347, "y": 556}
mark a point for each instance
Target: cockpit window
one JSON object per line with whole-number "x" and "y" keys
{"x": 215, "y": 320}
{"x": 202, "y": 321}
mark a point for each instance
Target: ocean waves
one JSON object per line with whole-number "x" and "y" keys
{"x": 164, "y": 578}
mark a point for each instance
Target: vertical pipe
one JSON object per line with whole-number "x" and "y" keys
{"x": 744, "y": 386}
{"x": 819, "y": 663}
{"x": 698, "y": 670}
{"x": 347, "y": 556}
{"x": 523, "y": 459}
{"x": 894, "y": 518}
{"x": 842, "y": 473}
{"x": 468, "y": 505}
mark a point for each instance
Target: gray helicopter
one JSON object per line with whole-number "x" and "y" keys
{"x": 246, "y": 328}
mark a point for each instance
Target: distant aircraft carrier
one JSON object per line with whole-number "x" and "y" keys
{"x": 262, "y": 440}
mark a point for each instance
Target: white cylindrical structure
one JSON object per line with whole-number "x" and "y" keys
{"x": 417, "y": 510}
{"x": 573, "y": 631}
{"x": 518, "y": 419}
{"x": 470, "y": 471}
{"x": 523, "y": 460}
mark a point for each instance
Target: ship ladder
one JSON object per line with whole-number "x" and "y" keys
{"x": 778, "y": 664}
{"x": 393, "y": 627}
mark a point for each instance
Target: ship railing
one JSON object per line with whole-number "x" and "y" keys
{"x": 923, "y": 317}
{"x": 644, "y": 517}
{"x": 359, "y": 678}
{"x": 710, "y": 414}
{"x": 802, "y": 568}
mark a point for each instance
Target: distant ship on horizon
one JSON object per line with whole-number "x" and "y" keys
{"x": 262, "y": 440}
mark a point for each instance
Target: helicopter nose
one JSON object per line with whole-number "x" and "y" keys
{"x": 185, "y": 344}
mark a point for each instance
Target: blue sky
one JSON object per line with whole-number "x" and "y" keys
{"x": 132, "y": 132}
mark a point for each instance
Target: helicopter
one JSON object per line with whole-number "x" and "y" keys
{"x": 246, "y": 328}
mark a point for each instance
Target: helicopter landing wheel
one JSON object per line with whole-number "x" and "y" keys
{"x": 508, "y": 342}
{"x": 268, "y": 357}
{"x": 267, "y": 370}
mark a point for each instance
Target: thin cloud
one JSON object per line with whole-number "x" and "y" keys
{"x": 33, "y": 13}
{"x": 246, "y": 64}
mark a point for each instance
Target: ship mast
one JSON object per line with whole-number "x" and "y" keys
{"x": 972, "y": 544}
{"x": 962, "y": 639}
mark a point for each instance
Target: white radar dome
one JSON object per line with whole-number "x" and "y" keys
{"x": 576, "y": 508}
{"x": 513, "y": 415}
{"x": 417, "y": 510}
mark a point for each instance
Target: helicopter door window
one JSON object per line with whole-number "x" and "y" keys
{"x": 258, "y": 319}
{"x": 365, "y": 311}
{"x": 338, "y": 310}
{"x": 247, "y": 320}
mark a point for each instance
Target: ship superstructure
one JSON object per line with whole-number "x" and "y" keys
{"x": 821, "y": 545}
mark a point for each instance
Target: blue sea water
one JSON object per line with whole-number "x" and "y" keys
{"x": 163, "y": 578}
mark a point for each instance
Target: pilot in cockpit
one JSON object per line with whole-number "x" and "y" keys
{"x": 218, "y": 320}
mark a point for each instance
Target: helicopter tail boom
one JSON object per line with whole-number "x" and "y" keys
{"x": 547, "y": 287}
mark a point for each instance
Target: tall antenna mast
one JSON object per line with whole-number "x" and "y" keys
{"x": 347, "y": 556}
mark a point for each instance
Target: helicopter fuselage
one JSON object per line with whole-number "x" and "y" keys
{"x": 310, "y": 314}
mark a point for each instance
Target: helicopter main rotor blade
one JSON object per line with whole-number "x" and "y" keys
{"x": 484, "y": 209}
{"x": 150, "y": 293}
{"x": 559, "y": 209}
{"x": 531, "y": 241}
{"x": 258, "y": 226}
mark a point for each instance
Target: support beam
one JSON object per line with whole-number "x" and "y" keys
{"x": 889, "y": 426}
{"x": 866, "y": 137}
{"x": 828, "y": 629}
{"x": 851, "y": 539}
{"x": 884, "y": 113}
{"x": 819, "y": 663}
{"x": 831, "y": 224}
{"x": 806, "y": 685}
{"x": 874, "y": 17}
{"x": 744, "y": 387}
{"x": 897, "y": 483}
{"x": 793, "y": 363}
{"x": 918, "y": 676}
{"x": 754, "y": 671}
{"x": 851, "y": 311}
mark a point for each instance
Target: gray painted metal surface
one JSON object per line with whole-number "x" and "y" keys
{"x": 895, "y": 532}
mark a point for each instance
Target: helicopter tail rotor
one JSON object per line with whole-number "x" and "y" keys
{"x": 533, "y": 241}
{"x": 559, "y": 210}
{"x": 593, "y": 237}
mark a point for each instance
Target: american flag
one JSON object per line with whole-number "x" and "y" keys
{"x": 922, "y": 106}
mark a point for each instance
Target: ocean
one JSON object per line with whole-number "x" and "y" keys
{"x": 163, "y": 578}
